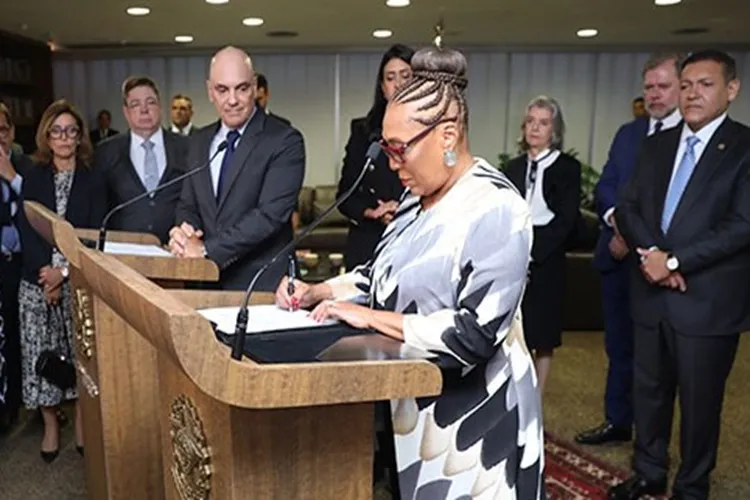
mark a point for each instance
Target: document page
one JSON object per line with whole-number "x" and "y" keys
{"x": 261, "y": 318}
{"x": 142, "y": 250}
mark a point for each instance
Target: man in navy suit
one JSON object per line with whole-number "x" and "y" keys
{"x": 661, "y": 92}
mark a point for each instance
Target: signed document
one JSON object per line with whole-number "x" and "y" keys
{"x": 261, "y": 318}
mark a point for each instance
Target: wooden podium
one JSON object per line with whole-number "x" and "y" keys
{"x": 228, "y": 429}
{"x": 118, "y": 373}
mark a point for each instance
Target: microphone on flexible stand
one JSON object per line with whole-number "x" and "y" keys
{"x": 242, "y": 316}
{"x": 103, "y": 229}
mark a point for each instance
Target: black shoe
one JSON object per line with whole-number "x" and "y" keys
{"x": 605, "y": 433}
{"x": 635, "y": 487}
{"x": 49, "y": 456}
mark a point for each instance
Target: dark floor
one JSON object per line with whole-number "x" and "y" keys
{"x": 573, "y": 401}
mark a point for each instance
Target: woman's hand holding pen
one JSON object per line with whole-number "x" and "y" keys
{"x": 304, "y": 295}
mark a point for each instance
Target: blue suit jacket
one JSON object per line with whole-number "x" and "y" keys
{"x": 615, "y": 174}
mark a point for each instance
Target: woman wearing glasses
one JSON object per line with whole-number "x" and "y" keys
{"x": 62, "y": 181}
{"x": 448, "y": 277}
{"x": 370, "y": 208}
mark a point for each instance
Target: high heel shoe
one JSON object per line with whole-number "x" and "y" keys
{"x": 49, "y": 456}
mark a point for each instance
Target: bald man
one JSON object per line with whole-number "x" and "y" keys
{"x": 237, "y": 212}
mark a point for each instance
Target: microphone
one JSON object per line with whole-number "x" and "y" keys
{"x": 242, "y": 316}
{"x": 103, "y": 229}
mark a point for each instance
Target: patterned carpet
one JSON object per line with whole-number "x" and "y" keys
{"x": 572, "y": 474}
{"x": 573, "y": 402}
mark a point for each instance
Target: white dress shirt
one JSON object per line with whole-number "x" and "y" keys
{"x": 138, "y": 153}
{"x": 220, "y": 137}
{"x": 184, "y": 130}
{"x": 669, "y": 121}
{"x": 704, "y": 136}
{"x": 541, "y": 215}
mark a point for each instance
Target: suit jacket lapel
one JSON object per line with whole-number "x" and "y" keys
{"x": 709, "y": 163}
{"x": 518, "y": 175}
{"x": 246, "y": 144}
{"x": 125, "y": 155}
{"x": 169, "y": 152}
{"x": 205, "y": 188}
{"x": 663, "y": 167}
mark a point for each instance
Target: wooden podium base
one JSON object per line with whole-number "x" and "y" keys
{"x": 212, "y": 450}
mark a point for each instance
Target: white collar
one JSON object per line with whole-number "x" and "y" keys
{"x": 671, "y": 120}
{"x": 706, "y": 132}
{"x": 157, "y": 138}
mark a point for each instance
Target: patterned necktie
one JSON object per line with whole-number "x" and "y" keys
{"x": 150, "y": 167}
{"x": 9, "y": 234}
{"x": 221, "y": 186}
{"x": 679, "y": 183}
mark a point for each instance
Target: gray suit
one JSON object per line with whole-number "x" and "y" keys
{"x": 151, "y": 215}
{"x": 251, "y": 222}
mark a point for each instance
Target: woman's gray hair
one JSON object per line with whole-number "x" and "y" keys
{"x": 558, "y": 123}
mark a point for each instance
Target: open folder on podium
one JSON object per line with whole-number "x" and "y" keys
{"x": 169, "y": 414}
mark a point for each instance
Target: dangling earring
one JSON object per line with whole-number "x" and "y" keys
{"x": 449, "y": 158}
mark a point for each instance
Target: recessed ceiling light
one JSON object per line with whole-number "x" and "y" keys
{"x": 138, "y": 11}
{"x": 587, "y": 33}
{"x": 382, "y": 33}
{"x": 252, "y": 21}
{"x": 663, "y": 3}
{"x": 397, "y": 3}
{"x": 183, "y": 38}
{"x": 217, "y": 2}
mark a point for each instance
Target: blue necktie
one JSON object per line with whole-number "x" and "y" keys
{"x": 679, "y": 183}
{"x": 232, "y": 137}
{"x": 9, "y": 234}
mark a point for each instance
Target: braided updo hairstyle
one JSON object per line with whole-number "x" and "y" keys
{"x": 440, "y": 74}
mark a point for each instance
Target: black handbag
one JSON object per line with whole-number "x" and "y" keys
{"x": 52, "y": 365}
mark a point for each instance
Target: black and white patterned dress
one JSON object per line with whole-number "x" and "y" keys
{"x": 40, "y": 329}
{"x": 457, "y": 272}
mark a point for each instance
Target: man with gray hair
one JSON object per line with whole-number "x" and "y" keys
{"x": 237, "y": 213}
{"x": 661, "y": 91}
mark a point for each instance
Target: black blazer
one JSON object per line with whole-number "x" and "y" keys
{"x": 86, "y": 209}
{"x": 252, "y": 221}
{"x": 561, "y": 189}
{"x": 381, "y": 183}
{"x": 152, "y": 215}
{"x": 21, "y": 163}
{"x": 709, "y": 233}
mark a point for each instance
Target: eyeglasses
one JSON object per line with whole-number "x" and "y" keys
{"x": 397, "y": 152}
{"x": 148, "y": 103}
{"x": 71, "y": 131}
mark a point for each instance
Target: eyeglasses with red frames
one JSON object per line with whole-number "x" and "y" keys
{"x": 397, "y": 152}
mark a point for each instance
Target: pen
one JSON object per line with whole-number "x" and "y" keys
{"x": 290, "y": 284}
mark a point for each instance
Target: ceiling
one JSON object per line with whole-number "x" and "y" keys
{"x": 342, "y": 24}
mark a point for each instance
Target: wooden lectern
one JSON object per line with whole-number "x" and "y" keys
{"x": 118, "y": 373}
{"x": 228, "y": 429}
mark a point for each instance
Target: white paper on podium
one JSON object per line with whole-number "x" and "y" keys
{"x": 261, "y": 318}
{"x": 139, "y": 249}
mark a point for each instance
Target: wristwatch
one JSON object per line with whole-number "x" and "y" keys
{"x": 672, "y": 263}
{"x": 65, "y": 272}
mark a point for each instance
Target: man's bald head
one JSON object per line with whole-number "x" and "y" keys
{"x": 231, "y": 86}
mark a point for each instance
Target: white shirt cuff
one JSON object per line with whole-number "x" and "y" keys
{"x": 609, "y": 213}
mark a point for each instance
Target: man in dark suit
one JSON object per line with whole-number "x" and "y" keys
{"x": 103, "y": 130}
{"x": 237, "y": 213}
{"x": 12, "y": 168}
{"x": 264, "y": 95}
{"x": 181, "y": 114}
{"x": 686, "y": 213}
{"x": 661, "y": 88}
{"x": 140, "y": 161}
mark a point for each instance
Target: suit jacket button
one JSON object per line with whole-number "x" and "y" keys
{"x": 372, "y": 190}
{"x": 150, "y": 227}
{"x": 152, "y": 203}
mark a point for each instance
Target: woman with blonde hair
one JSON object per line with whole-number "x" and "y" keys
{"x": 62, "y": 180}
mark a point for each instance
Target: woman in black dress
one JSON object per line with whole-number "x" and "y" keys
{"x": 550, "y": 180}
{"x": 372, "y": 205}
